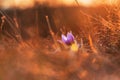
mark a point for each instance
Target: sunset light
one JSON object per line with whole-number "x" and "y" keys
{"x": 59, "y": 39}
{"x": 22, "y": 4}
{"x": 85, "y": 2}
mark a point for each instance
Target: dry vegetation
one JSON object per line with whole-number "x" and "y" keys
{"x": 39, "y": 58}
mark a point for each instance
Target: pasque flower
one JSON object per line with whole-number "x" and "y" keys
{"x": 69, "y": 39}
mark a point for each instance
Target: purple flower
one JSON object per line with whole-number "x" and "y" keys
{"x": 69, "y": 39}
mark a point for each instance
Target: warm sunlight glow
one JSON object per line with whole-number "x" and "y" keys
{"x": 54, "y": 3}
{"x": 24, "y": 3}
{"x": 86, "y": 2}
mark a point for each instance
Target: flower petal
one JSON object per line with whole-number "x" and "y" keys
{"x": 70, "y": 37}
{"x": 64, "y": 38}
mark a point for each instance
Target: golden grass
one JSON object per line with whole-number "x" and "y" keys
{"x": 39, "y": 59}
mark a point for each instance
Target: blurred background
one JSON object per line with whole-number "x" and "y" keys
{"x": 28, "y": 50}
